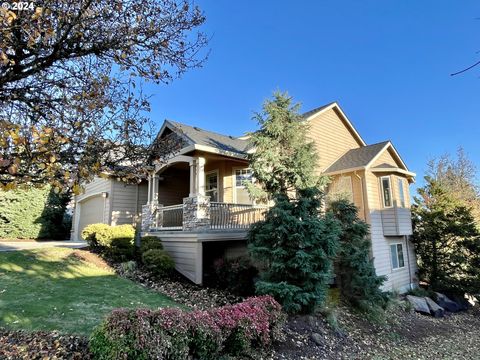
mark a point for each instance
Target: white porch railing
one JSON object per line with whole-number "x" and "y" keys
{"x": 235, "y": 216}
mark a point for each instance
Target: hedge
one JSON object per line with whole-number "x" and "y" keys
{"x": 232, "y": 330}
{"x": 35, "y": 213}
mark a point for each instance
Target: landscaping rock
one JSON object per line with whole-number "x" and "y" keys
{"x": 419, "y": 304}
{"x": 317, "y": 338}
{"x": 462, "y": 302}
{"x": 436, "y": 310}
{"x": 446, "y": 303}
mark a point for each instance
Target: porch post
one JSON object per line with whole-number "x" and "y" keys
{"x": 192, "y": 177}
{"x": 155, "y": 189}
{"x": 200, "y": 176}
{"x": 149, "y": 194}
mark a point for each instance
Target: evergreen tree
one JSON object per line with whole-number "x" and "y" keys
{"x": 358, "y": 282}
{"x": 284, "y": 159}
{"x": 297, "y": 245}
{"x": 446, "y": 241}
{"x": 296, "y": 242}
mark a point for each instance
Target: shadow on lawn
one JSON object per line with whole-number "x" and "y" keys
{"x": 54, "y": 289}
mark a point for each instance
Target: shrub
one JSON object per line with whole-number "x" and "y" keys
{"x": 93, "y": 232}
{"x": 128, "y": 267}
{"x": 175, "y": 334}
{"x": 237, "y": 275}
{"x": 122, "y": 248}
{"x": 297, "y": 244}
{"x": 359, "y": 284}
{"x": 158, "y": 261}
{"x": 102, "y": 235}
{"x": 150, "y": 242}
{"x": 34, "y": 213}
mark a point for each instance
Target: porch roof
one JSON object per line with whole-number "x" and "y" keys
{"x": 203, "y": 137}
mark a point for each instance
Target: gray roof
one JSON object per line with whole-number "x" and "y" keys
{"x": 209, "y": 138}
{"x": 355, "y": 158}
{"x": 314, "y": 111}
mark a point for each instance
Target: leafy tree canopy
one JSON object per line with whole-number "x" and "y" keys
{"x": 71, "y": 104}
{"x": 446, "y": 240}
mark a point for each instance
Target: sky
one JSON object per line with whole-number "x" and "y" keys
{"x": 387, "y": 63}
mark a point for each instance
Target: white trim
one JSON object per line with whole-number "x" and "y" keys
{"x": 389, "y": 145}
{"x": 213, "y": 150}
{"x": 234, "y": 181}
{"x": 100, "y": 193}
{"x": 390, "y": 191}
{"x": 216, "y": 171}
{"x": 347, "y": 120}
{"x": 396, "y": 243}
{"x": 397, "y": 170}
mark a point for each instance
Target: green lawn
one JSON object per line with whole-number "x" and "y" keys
{"x": 51, "y": 289}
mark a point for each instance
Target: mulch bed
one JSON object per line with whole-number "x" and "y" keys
{"x": 180, "y": 289}
{"x": 42, "y": 345}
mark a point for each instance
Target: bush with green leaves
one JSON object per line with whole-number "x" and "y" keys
{"x": 236, "y": 275}
{"x": 297, "y": 245}
{"x": 34, "y": 213}
{"x": 150, "y": 242}
{"x": 115, "y": 241}
{"x": 158, "y": 261}
{"x": 356, "y": 277}
{"x": 93, "y": 234}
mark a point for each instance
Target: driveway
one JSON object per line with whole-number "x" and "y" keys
{"x": 29, "y": 245}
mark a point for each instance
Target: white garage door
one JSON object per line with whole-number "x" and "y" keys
{"x": 91, "y": 212}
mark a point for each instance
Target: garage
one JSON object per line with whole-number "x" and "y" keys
{"x": 91, "y": 212}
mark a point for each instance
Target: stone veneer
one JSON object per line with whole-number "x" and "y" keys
{"x": 147, "y": 217}
{"x": 196, "y": 213}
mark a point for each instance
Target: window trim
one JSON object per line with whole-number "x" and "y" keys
{"x": 398, "y": 259}
{"x": 382, "y": 192}
{"x": 234, "y": 181}
{"x": 215, "y": 171}
{"x": 401, "y": 192}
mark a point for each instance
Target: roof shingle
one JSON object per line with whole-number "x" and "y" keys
{"x": 209, "y": 138}
{"x": 355, "y": 158}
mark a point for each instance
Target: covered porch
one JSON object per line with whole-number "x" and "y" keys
{"x": 195, "y": 193}
{"x": 191, "y": 208}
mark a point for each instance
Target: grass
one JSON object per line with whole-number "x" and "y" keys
{"x": 53, "y": 289}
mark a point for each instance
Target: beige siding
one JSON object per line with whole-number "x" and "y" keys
{"x": 357, "y": 190}
{"x": 331, "y": 137}
{"x": 396, "y": 279}
{"x": 92, "y": 189}
{"x": 385, "y": 158}
{"x": 124, "y": 203}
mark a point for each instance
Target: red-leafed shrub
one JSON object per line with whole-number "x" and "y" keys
{"x": 176, "y": 334}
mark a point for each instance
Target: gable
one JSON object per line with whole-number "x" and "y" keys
{"x": 333, "y": 135}
{"x": 388, "y": 158}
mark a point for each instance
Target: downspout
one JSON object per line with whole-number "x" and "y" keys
{"x": 363, "y": 195}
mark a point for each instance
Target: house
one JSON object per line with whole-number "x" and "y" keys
{"x": 197, "y": 205}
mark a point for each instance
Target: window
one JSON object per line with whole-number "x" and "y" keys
{"x": 211, "y": 185}
{"x": 241, "y": 193}
{"x": 396, "y": 252}
{"x": 386, "y": 191}
{"x": 342, "y": 189}
{"x": 401, "y": 194}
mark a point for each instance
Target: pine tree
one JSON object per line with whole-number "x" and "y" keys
{"x": 297, "y": 245}
{"x": 358, "y": 282}
{"x": 284, "y": 159}
{"x": 446, "y": 241}
{"x": 297, "y": 242}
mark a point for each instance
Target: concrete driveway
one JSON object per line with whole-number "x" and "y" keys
{"x": 29, "y": 245}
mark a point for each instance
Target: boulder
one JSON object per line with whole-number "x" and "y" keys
{"x": 436, "y": 310}
{"x": 461, "y": 301}
{"x": 317, "y": 339}
{"x": 446, "y": 303}
{"x": 419, "y": 304}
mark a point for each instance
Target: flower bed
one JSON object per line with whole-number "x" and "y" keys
{"x": 243, "y": 328}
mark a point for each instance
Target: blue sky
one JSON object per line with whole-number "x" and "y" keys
{"x": 387, "y": 63}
